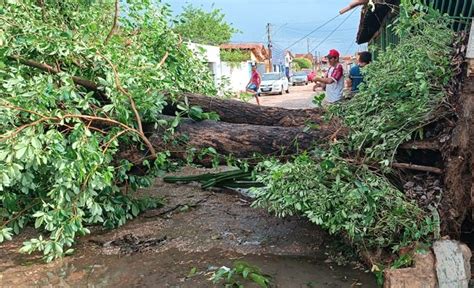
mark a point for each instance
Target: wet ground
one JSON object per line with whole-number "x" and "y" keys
{"x": 195, "y": 231}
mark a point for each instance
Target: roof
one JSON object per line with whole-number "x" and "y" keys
{"x": 258, "y": 49}
{"x": 307, "y": 56}
{"x": 370, "y": 22}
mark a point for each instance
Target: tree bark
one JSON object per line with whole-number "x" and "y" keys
{"x": 234, "y": 111}
{"x": 458, "y": 197}
{"x": 242, "y": 140}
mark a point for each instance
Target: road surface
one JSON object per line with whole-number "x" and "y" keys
{"x": 300, "y": 97}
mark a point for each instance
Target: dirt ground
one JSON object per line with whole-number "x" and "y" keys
{"x": 196, "y": 229}
{"x": 300, "y": 97}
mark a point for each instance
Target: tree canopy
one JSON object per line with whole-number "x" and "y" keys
{"x": 204, "y": 27}
{"x": 303, "y": 63}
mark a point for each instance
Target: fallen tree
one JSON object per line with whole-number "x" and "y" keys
{"x": 80, "y": 114}
{"x": 243, "y": 140}
{"x": 234, "y": 111}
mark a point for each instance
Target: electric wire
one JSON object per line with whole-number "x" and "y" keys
{"x": 314, "y": 30}
{"x": 333, "y": 31}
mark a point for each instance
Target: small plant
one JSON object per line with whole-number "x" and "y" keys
{"x": 245, "y": 96}
{"x": 242, "y": 271}
{"x": 235, "y": 56}
{"x": 318, "y": 99}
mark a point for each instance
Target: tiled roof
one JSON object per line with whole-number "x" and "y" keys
{"x": 258, "y": 49}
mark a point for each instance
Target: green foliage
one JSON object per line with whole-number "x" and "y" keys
{"x": 60, "y": 167}
{"x": 236, "y": 56}
{"x": 243, "y": 271}
{"x": 204, "y": 27}
{"x": 343, "y": 199}
{"x": 403, "y": 88}
{"x": 303, "y": 63}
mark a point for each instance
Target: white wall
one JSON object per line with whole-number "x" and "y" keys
{"x": 210, "y": 55}
{"x": 470, "y": 46}
{"x": 238, "y": 74}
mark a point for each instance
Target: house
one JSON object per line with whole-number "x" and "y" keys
{"x": 375, "y": 27}
{"x": 210, "y": 55}
{"x": 237, "y": 70}
{"x": 279, "y": 59}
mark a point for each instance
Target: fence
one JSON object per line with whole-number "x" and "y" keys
{"x": 461, "y": 11}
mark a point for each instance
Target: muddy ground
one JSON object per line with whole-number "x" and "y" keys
{"x": 195, "y": 230}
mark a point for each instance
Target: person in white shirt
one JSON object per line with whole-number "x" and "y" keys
{"x": 334, "y": 80}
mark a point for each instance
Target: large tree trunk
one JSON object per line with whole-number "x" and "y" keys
{"x": 457, "y": 200}
{"x": 234, "y": 111}
{"x": 243, "y": 140}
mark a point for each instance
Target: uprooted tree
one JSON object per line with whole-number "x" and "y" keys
{"x": 94, "y": 105}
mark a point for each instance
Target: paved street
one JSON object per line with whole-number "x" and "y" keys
{"x": 299, "y": 97}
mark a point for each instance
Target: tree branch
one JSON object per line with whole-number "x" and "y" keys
{"x": 89, "y": 85}
{"x": 163, "y": 59}
{"x": 418, "y": 168}
{"x": 114, "y": 26}
{"x": 125, "y": 92}
{"x": 78, "y": 116}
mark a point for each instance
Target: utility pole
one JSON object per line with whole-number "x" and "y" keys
{"x": 270, "y": 45}
{"x": 307, "y": 44}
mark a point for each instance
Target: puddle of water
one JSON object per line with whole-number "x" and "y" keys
{"x": 170, "y": 269}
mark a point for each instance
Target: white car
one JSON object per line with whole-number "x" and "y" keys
{"x": 274, "y": 83}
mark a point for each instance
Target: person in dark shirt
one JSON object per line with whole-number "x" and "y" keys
{"x": 355, "y": 75}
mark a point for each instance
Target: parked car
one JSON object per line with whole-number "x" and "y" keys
{"x": 299, "y": 78}
{"x": 274, "y": 83}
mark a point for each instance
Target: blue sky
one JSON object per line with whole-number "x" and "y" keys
{"x": 290, "y": 21}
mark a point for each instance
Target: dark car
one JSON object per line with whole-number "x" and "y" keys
{"x": 299, "y": 78}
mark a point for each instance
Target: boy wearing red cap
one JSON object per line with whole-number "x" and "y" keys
{"x": 334, "y": 80}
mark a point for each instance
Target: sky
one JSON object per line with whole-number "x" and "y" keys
{"x": 290, "y": 21}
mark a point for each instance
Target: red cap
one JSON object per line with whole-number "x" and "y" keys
{"x": 333, "y": 53}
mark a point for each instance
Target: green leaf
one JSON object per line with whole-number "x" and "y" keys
{"x": 21, "y": 152}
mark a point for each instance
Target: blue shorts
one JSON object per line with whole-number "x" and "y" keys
{"x": 252, "y": 87}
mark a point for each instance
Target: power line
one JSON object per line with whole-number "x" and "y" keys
{"x": 333, "y": 31}
{"x": 350, "y": 47}
{"x": 303, "y": 31}
{"x": 316, "y": 29}
{"x": 279, "y": 29}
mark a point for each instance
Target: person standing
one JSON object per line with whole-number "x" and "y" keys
{"x": 355, "y": 75}
{"x": 254, "y": 83}
{"x": 334, "y": 80}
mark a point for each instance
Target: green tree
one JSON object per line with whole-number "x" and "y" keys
{"x": 74, "y": 91}
{"x": 303, "y": 63}
{"x": 204, "y": 27}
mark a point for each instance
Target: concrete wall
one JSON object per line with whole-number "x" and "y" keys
{"x": 238, "y": 75}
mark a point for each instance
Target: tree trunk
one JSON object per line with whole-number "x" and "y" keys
{"x": 458, "y": 197}
{"x": 234, "y": 111}
{"x": 243, "y": 140}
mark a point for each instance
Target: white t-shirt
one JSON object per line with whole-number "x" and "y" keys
{"x": 335, "y": 89}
